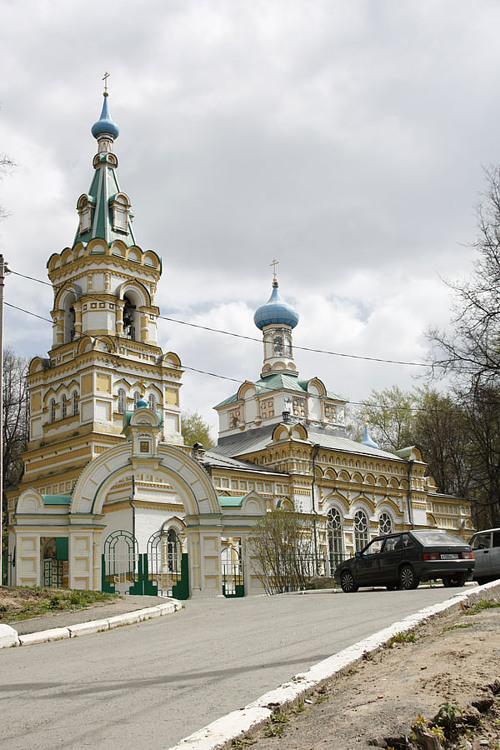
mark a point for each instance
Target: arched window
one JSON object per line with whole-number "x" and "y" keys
{"x": 137, "y": 396}
{"x": 129, "y": 319}
{"x": 121, "y": 401}
{"x": 335, "y": 538}
{"x": 172, "y": 551}
{"x": 288, "y": 347}
{"x": 385, "y": 523}
{"x": 278, "y": 345}
{"x": 64, "y": 406}
{"x": 152, "y": 402}
{"x": 52, "y": 410}
{"x": 69, "y": 318}
{"x": 360, "y": 530}
{"x": 75, "y": 400}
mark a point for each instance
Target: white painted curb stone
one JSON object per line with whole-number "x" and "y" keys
{"x": 8, "y": 637}
{"x": 220, "y": 732}
{"x": 88, "y": 628}
{"x": 44, "y": 636}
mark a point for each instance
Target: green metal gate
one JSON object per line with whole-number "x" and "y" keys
{"x": 122, "y": 568}
{"x": 168, "y": 570}
{"x": 53, "y": 571}
{"x": 232, "y": 571}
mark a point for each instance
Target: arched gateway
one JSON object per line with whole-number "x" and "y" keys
{"x": 144, "y": 517}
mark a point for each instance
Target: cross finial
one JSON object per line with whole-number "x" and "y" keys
{"x": 105, "y": 79}
{"x": 274, "y": 264}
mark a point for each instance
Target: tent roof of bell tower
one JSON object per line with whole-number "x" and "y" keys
{"x": 105, "y": 210}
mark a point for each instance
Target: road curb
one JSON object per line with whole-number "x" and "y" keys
{"x": 9, "y": 636}
{"x": 218, "y": 734}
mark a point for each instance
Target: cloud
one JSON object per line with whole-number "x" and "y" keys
{"x": 346, "y": 139}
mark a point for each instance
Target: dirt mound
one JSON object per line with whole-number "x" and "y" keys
{"x": 452, "y": 662}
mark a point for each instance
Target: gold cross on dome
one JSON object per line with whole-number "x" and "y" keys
{"x": 274, "y": 264}
{"x": 105, "y": 79}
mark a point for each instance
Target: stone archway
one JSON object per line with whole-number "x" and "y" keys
{"x": 161, "y": 463}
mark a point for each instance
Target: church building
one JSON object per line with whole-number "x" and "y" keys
{"x": 110, "y": 496}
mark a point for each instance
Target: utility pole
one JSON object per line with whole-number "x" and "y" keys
{"x": 2, "y": 281}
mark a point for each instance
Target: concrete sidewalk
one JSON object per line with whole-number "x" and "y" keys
{"x": 97, "y": 618}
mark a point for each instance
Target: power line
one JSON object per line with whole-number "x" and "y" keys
{"x": 295, "y": 346}
{"x": 239, "y": 380}
{"x": 253, "y": 338}
{"x": 31, "y": 278}
{"x": 34, "y": 315}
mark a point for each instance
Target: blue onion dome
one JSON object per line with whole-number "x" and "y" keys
{"x": 105, "y": 124}
{"x": 275, "y": 311}
{"x": 141, "y": 402}
{"x": 368, "y": 440}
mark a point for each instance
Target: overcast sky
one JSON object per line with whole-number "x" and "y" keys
{"x": 345, "y": 138}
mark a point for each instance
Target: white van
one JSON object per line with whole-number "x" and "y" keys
{"x": 486, "y": 548}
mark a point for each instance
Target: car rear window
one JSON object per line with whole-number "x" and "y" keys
{"x": 429, "y": 537}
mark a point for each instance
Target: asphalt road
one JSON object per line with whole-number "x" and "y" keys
{"x": 149, "y": 685}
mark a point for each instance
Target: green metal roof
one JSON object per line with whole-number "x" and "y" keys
{"x": 231, "y": 501}
{"x": 103, "y": 189}
{"x": 56, "y": 499}
{"x": 279, "y": 381}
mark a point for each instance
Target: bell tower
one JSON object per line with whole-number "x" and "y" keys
{"x": 105, "y": 355}
{"x": 277, "y": 319}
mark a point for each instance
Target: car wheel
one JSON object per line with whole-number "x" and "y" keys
{"x": 347, "y": 582}
{"x": 407, "y": 578}
{"x": 458, "y": 579}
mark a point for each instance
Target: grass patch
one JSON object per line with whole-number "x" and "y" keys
{"x": 481, "y": 605}
{"x": 22, "y": 602}
{"x": 458, "y": 626}
{"x": 401, "y": 638}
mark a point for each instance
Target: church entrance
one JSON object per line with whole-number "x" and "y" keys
{"x": 162, "y": 571}
{"x": 232, "y": 568}
{"x": 167, "y": 564}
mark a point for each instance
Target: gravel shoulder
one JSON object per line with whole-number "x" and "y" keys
{"x": 453, "y": 660}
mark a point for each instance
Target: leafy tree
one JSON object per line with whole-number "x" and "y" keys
{"x": 437, "y": 423}
{"x": 483, "y": 412}
{"x": 389, "y": 413}
{"x": 441, "y": 429}
{"x": 194, "y": 429}
{"x": 281, "y": 545}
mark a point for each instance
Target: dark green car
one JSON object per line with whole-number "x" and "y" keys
{"x": 402, "y": 560}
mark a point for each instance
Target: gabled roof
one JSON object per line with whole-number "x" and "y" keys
{"x": 279, "y": 381}
{"x": 253, "y": 441}
{"x": 212, "y": 458}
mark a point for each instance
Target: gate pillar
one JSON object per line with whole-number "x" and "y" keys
{"x": 204, "y": 548}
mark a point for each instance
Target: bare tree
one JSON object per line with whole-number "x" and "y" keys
{"x": 15, "y": 415}
{"x": 281, "y": 545}
{"x": 6, "y": 165}
{"x": 472, "y": 350}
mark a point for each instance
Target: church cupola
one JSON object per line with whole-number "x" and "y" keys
{"x": 105, "y": 212}
{"x": 276, "y": 319}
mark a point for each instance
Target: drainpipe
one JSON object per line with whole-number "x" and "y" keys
{"x": 408, "y": 499}
{"x": 316, "y": 448}
{"x": 131, "y": 501}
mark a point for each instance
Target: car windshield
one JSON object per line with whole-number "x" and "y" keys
{"x": 429, "y": 537}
